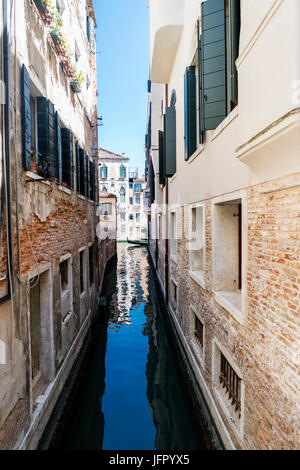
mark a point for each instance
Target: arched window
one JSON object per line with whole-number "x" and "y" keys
{"x": 122, "y": 195}
{"x": 104, "y": 189}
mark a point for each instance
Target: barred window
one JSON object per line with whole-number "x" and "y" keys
{"x": 231, "y": 382}
{"x": 199, "y": 332}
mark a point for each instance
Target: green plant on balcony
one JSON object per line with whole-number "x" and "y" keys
{"x": 77, "y": 81}
{"x": 45, "y": 8}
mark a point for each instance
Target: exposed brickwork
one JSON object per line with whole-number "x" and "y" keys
{"x": 266, "y": 346}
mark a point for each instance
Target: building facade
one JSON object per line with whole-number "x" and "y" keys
{"x": 224, "y": 182}
{"x": 116, "y": 177}
{"x": 49, "y": 197}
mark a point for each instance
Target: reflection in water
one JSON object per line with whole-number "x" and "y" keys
{"x": 132, "y": 394}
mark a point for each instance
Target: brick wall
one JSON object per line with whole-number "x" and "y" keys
{"x": 266, "y": 346}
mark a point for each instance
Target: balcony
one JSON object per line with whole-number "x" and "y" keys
{"x": 166, "y": 26}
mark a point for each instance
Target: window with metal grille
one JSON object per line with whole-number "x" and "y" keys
{"x": 198, "y": 332}
{"x": 64, "y": 281}
{"x": 231, "y": 382}
{"x": 81, "y": 255}
{"x": 91, "y": 265}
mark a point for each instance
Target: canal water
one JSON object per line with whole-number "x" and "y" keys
{"x": 132, "y": 394}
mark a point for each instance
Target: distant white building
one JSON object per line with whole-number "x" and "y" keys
{"x": 116, "y": 178}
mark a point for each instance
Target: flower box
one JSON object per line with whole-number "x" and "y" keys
{"x": 67, "y": 68}
{"x": 75, "y": 86}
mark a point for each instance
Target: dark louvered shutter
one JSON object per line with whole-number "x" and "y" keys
{"x": 200, "y": 88}
{"x": 77, "y": 159}
{"x": 152, "y": 181}
{"x": 82, "y": 171}
{"x": 170, "y": 142}
{"x": 87, "y": 176}
{"x": 47, "y": 138}
{"x": 58, "y": 147}
{"x": 190, "y": 112}
{"x": 67, "y": 157}
{"x": 214, "y": 62}
{"x": 235, "y": 26}
{"x": 92, "y": 182}
{"x": 161, "y": 157}
{"x": 26, "y": 119}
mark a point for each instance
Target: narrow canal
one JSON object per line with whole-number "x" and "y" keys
{"x": 132, "y": 394}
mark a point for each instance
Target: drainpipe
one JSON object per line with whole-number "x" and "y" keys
{"x": 167, "y": 221}
{"x": 7, "y": 156}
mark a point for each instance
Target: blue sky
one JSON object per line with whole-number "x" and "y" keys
{"x": 123, "y": 70}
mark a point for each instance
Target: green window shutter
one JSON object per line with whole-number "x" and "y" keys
{"x": 200, "y": 90}
{"x": 67, "y": 157}
{"x": 235, "y": 27}
{"x": 161, "y": 157}
{"x": 47, "y": 138}
{"x": 77, "y": 166}
{"x": 58, "y": 147}
{"x": 190, "y": 112}
{"x": 214, "y": 63}
{"x": 170, "y": 142}
{"x": 92, "y": 181}
{"x": 87, "y": 176}
{"x": 152, "y": 181}
{"x": 26, "y": 119}
{"x": 82, "y": 171}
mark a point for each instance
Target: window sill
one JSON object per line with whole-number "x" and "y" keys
{"x": 64, "y": 189}
{"x": 83, "y": 295}
{"x": 174, "y": 259}
{"x": 81, "y": 197}
{"x": 198, "y": 277}
{"x": 196, "y": 154}
{"x": 232, "y": 302}
{"x": 197, "y": 351}
{"x": 173, "y": 178}
{"x": 225, "y": 123}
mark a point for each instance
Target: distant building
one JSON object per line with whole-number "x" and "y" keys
{"x": 115, "y": 177}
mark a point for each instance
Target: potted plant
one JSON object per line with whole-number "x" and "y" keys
{"x": 34, "y": 159}
{"x": 77, "y": 82}
{"x": 56, "y": 28}
{"x": 47, "y": 15}
{"x": 44, "y": 168}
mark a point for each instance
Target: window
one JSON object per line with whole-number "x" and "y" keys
{"x": 173, "y": 293}
{"x": 123, "y": 216}
{"x": 131, "y": 201}
{"x": 138, "y": 188}
{"x": 82, "y": 273}
{"x": 103, "y": 172}
{"x": 122, "y": 171}
{"x": 60, "y": 6}
{"x": 64, "y": 283}
{"x": 33, "y": 112}
{"x": 170, "y": 142}
{"x": 65, "y": 269}
{"x": 106, "y": 208}
{"x": 77, "y": 53}
{"x": 122, "y": 196}
{"x": 173, "y": 240}
{"x": 104, "y": 189}
{"x": 198, "y": 332}
{"x": 130, "y": 185}
{"x": 130, "y": 216}
{"x": 138, "y": 217}
{"x": 230, "y": 383}
{"x": 218, "y": 49}
{"x": 123, "y": 228}
{"x": 138, "y": 200}
{"x": 196, "y": 245}
{"x": 92, "y": 265}
{"x": 228, "y": 257}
